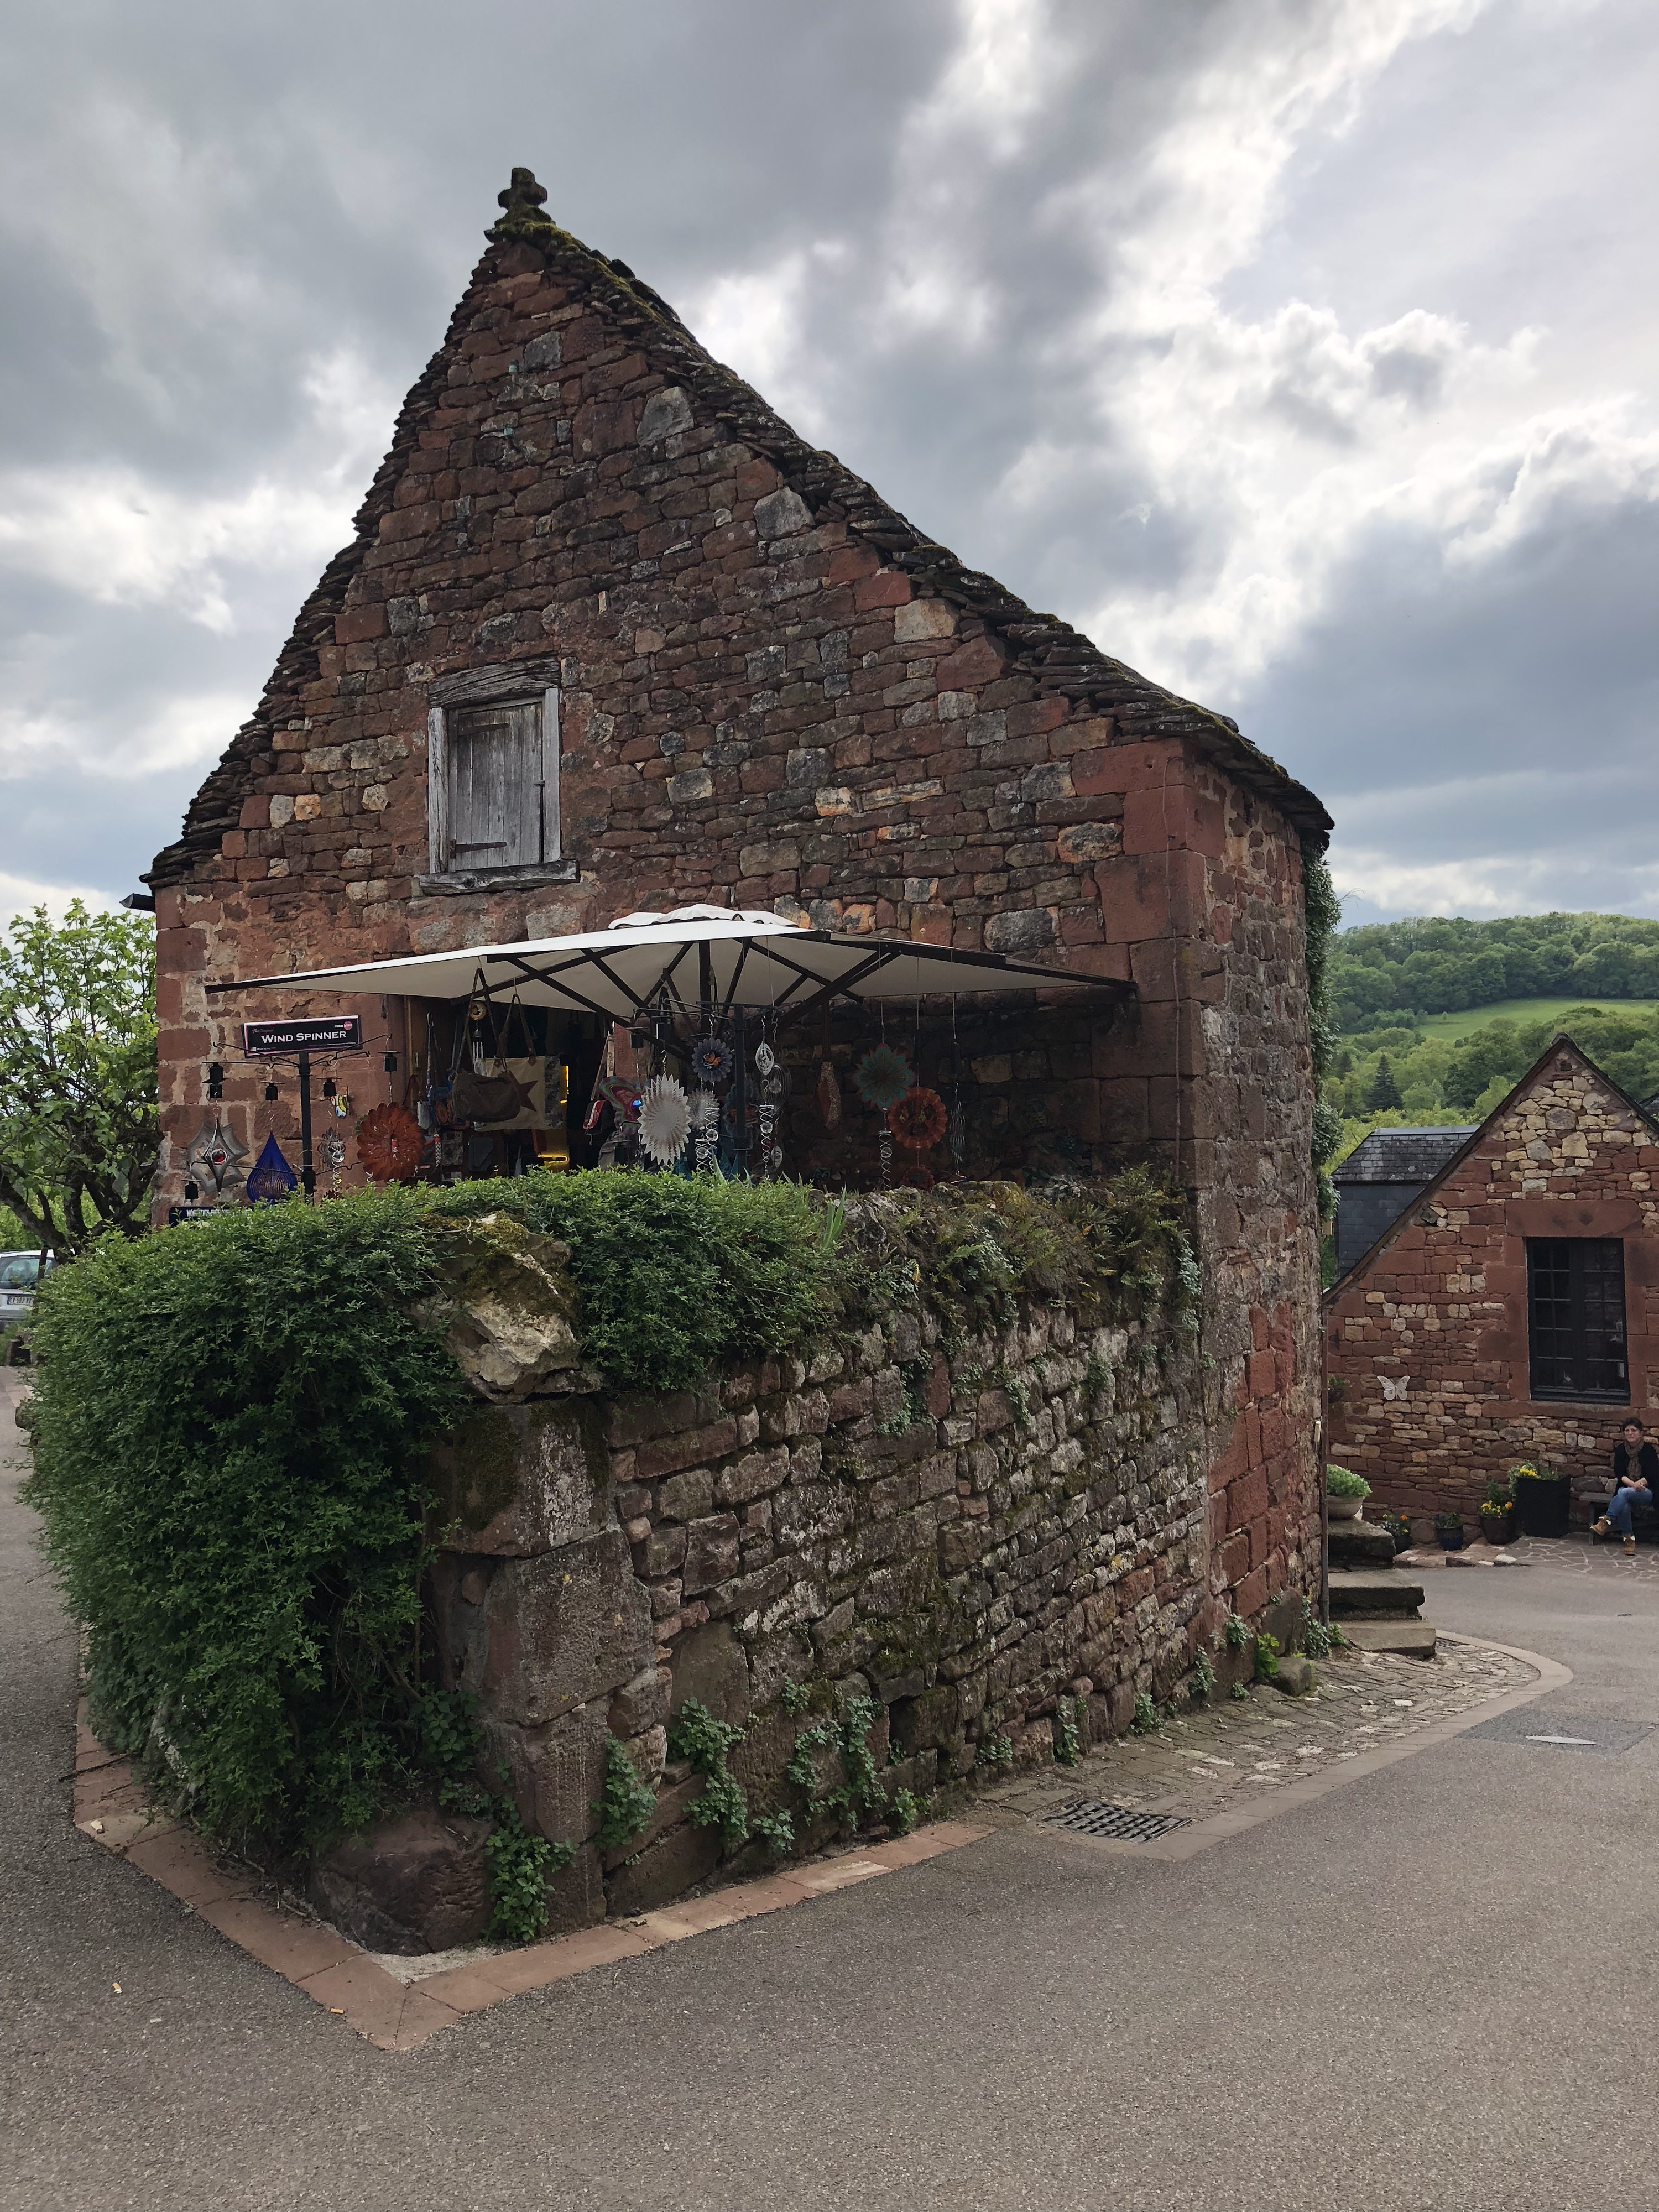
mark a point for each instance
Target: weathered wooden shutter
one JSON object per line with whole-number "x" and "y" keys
{"x": 496, "y": 787}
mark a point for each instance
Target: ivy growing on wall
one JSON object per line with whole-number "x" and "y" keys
{"x": 1321, "y": 911}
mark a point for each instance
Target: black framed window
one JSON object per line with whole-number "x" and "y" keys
{"x": 1576, "y": 1317}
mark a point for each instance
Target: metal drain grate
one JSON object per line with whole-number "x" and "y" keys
{"x": 1087, "y": 1816}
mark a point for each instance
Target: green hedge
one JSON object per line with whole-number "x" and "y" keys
{"x": 234, "y": 1420}
{"x": 229, "y": 1422}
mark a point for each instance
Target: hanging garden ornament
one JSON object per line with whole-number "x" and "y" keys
{"x": 882, "y": 1077}
{"x": 216, "y": 1158}
{"x": 664, "y": 1120}
{"x": 272, "y": 1177}
{"x": 624, "y": 1098}
{"x": 705, "y": 1110}
{"x": 958, "y": 1133}
{"x": 829, "y": 1097}
{"x": 914, "y": 1176}
{"x": 765, "y": 1058}
{"x": 389, "y": 1143}
{"x": 711, "y": 1061}
{"x": 919, "y": 1120}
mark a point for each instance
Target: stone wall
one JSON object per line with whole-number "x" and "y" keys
{"x": 1427, "y": 1346}
{"x": 965, "y": 1534}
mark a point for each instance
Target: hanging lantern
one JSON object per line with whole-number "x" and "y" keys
{"x": 215, "y": 1079}
{"x": 271, "y": 1094}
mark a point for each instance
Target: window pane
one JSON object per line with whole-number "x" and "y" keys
{"x": 1549, "y": 1280}
{"x": 1576, "y": 1317}
{"x": 495, "y": 786}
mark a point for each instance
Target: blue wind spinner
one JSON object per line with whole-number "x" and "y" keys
{"x": 272, "y": 1177}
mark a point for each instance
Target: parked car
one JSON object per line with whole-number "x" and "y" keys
{"x": 19, "y": 1274}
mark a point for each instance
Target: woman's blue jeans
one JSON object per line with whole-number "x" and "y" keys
{"x": 1622, "y": 1507}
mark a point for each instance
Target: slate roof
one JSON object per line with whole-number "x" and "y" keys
{"x": 1402, "y": 1155}
{"x": 1060, "y": 658}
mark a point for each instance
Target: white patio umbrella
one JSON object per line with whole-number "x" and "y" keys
{"x": 648, "y": 963}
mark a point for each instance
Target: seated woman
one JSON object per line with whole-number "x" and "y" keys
{"x": 1635, "y": 1484}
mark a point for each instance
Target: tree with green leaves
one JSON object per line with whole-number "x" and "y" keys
{"x": 80, "y": 1128}
{"x": 1383, "y": 1092}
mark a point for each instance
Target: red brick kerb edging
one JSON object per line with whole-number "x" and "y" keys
{"x": 347, "y": 1982}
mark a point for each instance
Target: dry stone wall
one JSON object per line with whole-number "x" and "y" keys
{"x": 963, "y": 1533}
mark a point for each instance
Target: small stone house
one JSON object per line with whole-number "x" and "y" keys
{"x": 611, "y": 637}
{"x": 1512, "y": 1311}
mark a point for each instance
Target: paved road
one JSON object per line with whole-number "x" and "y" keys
{"x": 1404, "y": 1996}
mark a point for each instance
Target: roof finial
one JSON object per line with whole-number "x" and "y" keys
{"x": 523, "y": 200}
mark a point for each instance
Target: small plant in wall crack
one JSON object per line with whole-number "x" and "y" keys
{"x": 1200, "y": 1683}
{"x": 695, "y": 1735}
{"x": 1238, "y": 1632}
{"x": 996, "y": 1751}
{"x": 625, "y": 1804}
{"x": 795, "y": 1696}
{"x": 521, "y": 1867}
{"x": 1267, "y": 1657}
{"x": 1018, "y": 1391}
{"x": 776, "y": 1831}
{"x": 1315, "y": 1635}
{"x": 1068, "y": 1736}
{"x": 1238, "y": 1693}
{"x": 1145, "y": 1720}
{"x": 904, "y": 1812}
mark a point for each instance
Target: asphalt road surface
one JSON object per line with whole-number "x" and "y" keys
{"x": 1432, "y": 1989}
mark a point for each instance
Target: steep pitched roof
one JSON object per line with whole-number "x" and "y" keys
{"x": 1472, "y": 1143}
{"x": 1058, "y": 658}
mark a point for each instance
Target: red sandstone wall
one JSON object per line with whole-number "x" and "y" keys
{"x": 1443, "y": 1308}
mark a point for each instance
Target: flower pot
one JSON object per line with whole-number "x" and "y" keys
{"x": 1343, "y": 1509}
{"x": 1497, "y": 1528}
{"x": 1449, "y": 1539}
{"x": 1540, "y": 1507}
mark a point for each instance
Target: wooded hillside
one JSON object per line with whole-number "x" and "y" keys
{"x": 1437, "y": 965}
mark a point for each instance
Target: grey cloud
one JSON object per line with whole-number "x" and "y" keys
{"x": 205, "y": 204}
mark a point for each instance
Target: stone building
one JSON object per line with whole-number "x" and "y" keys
{"x": 1381, "y": 1177}
{"x": 611, "y": 637}
{"x": 1512, "y": 1312}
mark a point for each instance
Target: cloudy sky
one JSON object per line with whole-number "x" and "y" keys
{"x": 1301, "y": 351}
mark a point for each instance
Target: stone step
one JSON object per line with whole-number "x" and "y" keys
{"x": 1373, "y": 1589}
{"x": 1405, "y": 1635}
{"x": 1360, "y": 1544}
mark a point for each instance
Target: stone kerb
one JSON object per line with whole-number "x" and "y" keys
{"x": 961, "y": 1533}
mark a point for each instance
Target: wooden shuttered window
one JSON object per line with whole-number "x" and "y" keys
{"x": 494, "y": 785}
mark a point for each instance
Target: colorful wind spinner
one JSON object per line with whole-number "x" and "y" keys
{"x": 883, "y": 1077}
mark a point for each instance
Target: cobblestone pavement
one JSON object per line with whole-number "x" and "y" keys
{"x": 1209, "y": 1760}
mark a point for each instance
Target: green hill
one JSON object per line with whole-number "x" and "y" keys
{"x": 1524, "y": 1012}
{"x": 1423, "y": 1073}
{"x": 1410, "y": 971}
